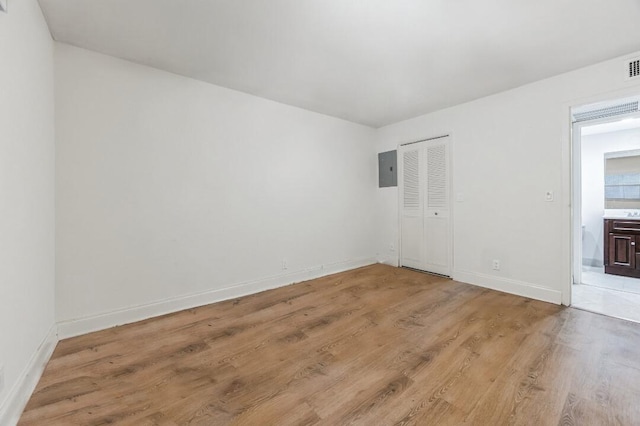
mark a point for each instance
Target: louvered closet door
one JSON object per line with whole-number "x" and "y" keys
{"x": 411, "y": 204}
{"x": 437, "y": 214}
{"x": 424, "y": 202}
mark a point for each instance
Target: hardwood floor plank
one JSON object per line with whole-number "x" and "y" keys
{"x": 376, "y": 345}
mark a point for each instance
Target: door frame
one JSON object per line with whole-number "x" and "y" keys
{"x": 572, "y": 216}
{"x": 451, "y": 197}
{"x": 576, "y": 202}
{"x": 576, "y": 190}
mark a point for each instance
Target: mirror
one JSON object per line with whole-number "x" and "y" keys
{"x": 622, "y": 180}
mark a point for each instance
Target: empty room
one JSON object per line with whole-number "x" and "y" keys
{"x": 331, "y": 212}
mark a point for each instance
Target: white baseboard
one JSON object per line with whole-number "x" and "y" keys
{"x": 20, "y": 393}
{"x": 128, "y": 315}
{"x": 506, "y": 285}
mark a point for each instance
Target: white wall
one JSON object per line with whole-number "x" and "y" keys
{"x": 169, "y": 187}
{"x": 592, "y": 157}
{"x": 508, "y": 150}
{"x": 26, "y": 197}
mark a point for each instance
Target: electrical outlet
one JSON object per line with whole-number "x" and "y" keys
{"x": 1, "y": 377}
{"x": 496, "y": 265}
{"x": 284, "y": 264}
{"x": 548, "y": 196}
{"x": 392, "y": 247}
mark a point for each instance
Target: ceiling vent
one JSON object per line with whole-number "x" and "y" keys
{"x": 633, "y": 68}
{"x": 621, "y": 109}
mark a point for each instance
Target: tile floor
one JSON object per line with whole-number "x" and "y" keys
{"x": 606, "y": 294}
{"x": 596, "y": 277}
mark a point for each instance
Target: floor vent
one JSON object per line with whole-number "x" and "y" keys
{"x": 633, "y": 68}
{"x": 621, "y": 109}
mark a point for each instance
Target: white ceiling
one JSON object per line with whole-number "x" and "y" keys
{"x": 616, "y": 126}
{"x": 369, "y": 61}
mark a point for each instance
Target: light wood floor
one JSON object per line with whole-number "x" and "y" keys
{"x": 373, "y": 346}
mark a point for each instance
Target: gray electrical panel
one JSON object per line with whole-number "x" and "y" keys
{"x": 388, "y": 169}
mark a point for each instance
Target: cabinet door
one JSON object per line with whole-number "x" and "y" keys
{"x": 637, "y": 252}
{"x": 622, "y": 250}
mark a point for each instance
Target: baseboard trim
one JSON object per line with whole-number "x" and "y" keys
{"x": 20, "y": 393}
{"x": 596, "y": 263}
{"x": 519, "y": 288}
{"x": 128, "y": 315}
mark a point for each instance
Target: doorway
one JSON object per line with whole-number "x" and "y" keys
{"x": 606, "y": 208}
{"x": 425, "y": 205}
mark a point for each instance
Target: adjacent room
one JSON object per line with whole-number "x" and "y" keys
{"x": 608, "y": 144}
{"x": 318, "y": 212}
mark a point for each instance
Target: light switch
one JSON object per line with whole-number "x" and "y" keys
{"x": 548, "y": 196}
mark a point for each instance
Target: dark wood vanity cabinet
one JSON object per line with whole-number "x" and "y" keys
{"x": 622, "y": 236}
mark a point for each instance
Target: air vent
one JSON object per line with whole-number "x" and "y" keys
{"x": 611, "y": 111}
{"x": 633, "y": 68}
